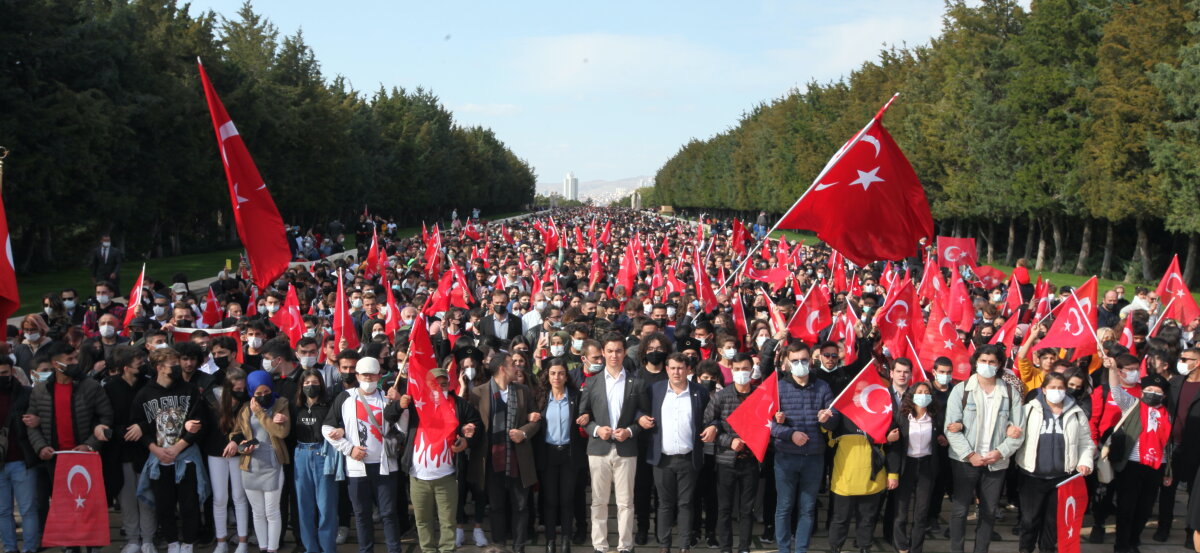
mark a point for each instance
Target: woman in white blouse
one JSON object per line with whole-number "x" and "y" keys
{"x": 920, "y": 423}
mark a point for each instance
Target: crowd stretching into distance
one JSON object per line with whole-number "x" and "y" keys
{"x": 502, "y": 383}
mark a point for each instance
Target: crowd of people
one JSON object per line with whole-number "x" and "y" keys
{"x": 577, "y": 381}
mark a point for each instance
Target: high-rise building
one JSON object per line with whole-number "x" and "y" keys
{"x": 571, "y": 187}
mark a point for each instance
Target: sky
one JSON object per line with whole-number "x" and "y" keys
{"x": 608, "y": 90}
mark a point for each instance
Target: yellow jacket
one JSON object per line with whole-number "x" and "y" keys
{"x": 852, "y": 467}
{"x": 1030, "y": 375}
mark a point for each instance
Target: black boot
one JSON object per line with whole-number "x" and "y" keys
{"x": 565, "y": 547}
{"x": 552, "y": 546}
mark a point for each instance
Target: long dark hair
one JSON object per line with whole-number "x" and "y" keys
{"x": 907, "y": 407}
{"x": 228, "y": 416}
{"x": 302, "y": 400}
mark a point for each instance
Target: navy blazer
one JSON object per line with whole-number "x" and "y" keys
{"x": 658, "y": 393}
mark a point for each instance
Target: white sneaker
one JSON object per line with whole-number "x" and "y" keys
{"x": 148, "y": 547}
{"x": 173, "y": 547}
{"x": 458, "y": 539}
{"x": 185, "y": 548}
{"x": 242, "y": 547}
{"x": 342, "y": 534}
{"x": 222, "y": 547}
{"x": 480, "y": 539}
{"x": 132, "y": 547}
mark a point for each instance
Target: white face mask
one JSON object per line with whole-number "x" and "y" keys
{"x": 1055, "y": 396}
{"x": 647, "y": 307}
{"x": 367, "y": 387}
{"x": 800, "y": 367}
{"x": 741, "y": 378}
{"x": 922, "y": 400}
{"x": 996, "y": 298}
{"x": 577, "y": 345}
{"x": 671, "y": 312}
{"x": 539, "y": 306}
{"x": 728, "y": 353}
{"x": 106, "y": 244}
{"x": 556, "y": 351}
{"x": 1182, "y": 368}
{"x": 557, "y": 303}
{"x": 470, "y": 373}
{"x": 254, "y": 342}
{"x": 33, "y": 336}
{"x": 267, "y": 364}
{"x": 985, "y": 370}
{"x": 47, "y": 310}
{"x": 943, "y": 379}
{"x": 107, "y": 331}
{"x": 160, "y": 345}
{"x": 272, "y": 308}
{"x": 376, "y": 333}
{"x": 103, "y": 298}
{"x": 308, "y": 362}
{"x": 868, "y": 289}
{"x": 69, "y": 304}
{"x": 760, "y": 341}
{"x": 703, "y": 341}
{"x": 1131, "y": 377}
{"x": 159, "y": 310}
{"x": 593, "y": 369}
{"x": 356, "y": 304}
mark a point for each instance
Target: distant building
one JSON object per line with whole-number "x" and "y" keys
{"x": 571, "y": 187}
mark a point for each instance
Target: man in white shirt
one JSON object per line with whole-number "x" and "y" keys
{"x": 674, "y": 413}
{"x": 355, "y": 427}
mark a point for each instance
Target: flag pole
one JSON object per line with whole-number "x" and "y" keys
{"x": 917, "y": 357}
{"x": 832, "y": 162}
{"x": 1064, "y": 482}
{"x": 3, "y": 154}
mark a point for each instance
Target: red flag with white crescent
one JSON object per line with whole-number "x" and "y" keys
{"x": 1072, "y": 502}
{"x": 953, "y": 252}
{"x": 811, "y": 317}
{"x": 135, "y": 299}
{"x": 1174, "y": 293}
{"x": 343, "y": 326}
{"x": 1126, "y": 338}
{"x": 288, "y": 318}
{"x": 10, "y": 300}
{"x": 941, "y": 340}
{"x": 435, "y": 410}
{"x": 1074, "y": 326}
{"x": 212, "y": 308}
{"x": 868, "y": 402}
{"x": 78, "y": 508}
{"x": 258, "y": 221}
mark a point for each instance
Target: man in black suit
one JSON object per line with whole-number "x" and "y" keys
{"x": 609, "y": 410}
{"x": 499, "y": 328}
{"x": 105, "y": 263}
{"x": 673, "y": 412}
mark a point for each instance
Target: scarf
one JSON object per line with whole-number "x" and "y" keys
{"x": 1156, "y": 430}
{"x": 504, "y": 417}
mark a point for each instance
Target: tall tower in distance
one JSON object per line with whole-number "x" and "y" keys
{"x": 571, "y": 187}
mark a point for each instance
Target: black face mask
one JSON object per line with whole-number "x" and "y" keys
{"x": 312, "y": 391}
{"x": 74, "y": 371}
{"x": 349, "y": 379}
{"x": 6, "y": 382}
{"x": 1152, "y": 399}
{"x": 656, "y": 358}
{"x": 709, "y": 385}
{"x": 241, "y": 396}
{"x": 221, "y": 362}
{"x": 265, "y": 401}
{"x": 1077, "y": 393}
{"x": 662, "y": 323}
{"x": 185, "y": 323}
{"x": 500, "y": 309}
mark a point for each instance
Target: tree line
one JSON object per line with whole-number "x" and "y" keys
{"x": 1068, "y": 133}
{"x": 102, "y": 109}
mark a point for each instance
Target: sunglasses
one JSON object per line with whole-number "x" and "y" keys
{"x": 829, "y": 355}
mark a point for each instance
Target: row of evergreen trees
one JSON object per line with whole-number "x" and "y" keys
{"x": 1069, "y": 133}
{"x": 102, "y": 108}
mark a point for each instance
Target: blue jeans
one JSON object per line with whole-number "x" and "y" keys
{"x": 797, "y": 477}
{"x": 17, "y": 482}
{"x": 316, "y": 499}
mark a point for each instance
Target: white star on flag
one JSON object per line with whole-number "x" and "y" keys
{"x": 949, "y": 344}
{"x": 867, "y": 178}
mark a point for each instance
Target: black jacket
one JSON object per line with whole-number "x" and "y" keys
{"x": 652, "y": 406}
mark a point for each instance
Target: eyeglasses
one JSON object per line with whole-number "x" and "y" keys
{"x": 829, "y": 355}
{"x": 1187, "y": 359}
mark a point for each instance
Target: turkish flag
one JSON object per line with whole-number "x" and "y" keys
{"x": 870, "y": 173}
{"x": 931, "y": 282}
{"x": 953, "y": 252}
{"x": 840, "y": 284}
{"x": 435, "y": 410}
{"x": 991, "y": 277}
{"x": 909, "y": 352}
{"x": 810, "y": 317}
{"x": 1074, "y": 325}
{"x": 704, "y": 289}
{"x": 10, "y": 300}
{"x": 1174, "y": 293}
{"x": 1005, "y": 334}
{"x": 900, "y": 317}
{"x": 752, "y": 419}
{"x": 1013, "y": 300}
{"x": 958, "y": 303}
{"x": 288, "y": 318}
{"x": 181, "y": 334}
{"x": 369, "y": 267}
{"x": 471, "y": 232}
{"x": 1072, "y": 502}
{"x": 941, "y": 339}
{"x": 504, "y": 233}
{"x": 135, "y": 297}
{"x": 1126, "y": 338}
{"x": 343, "y": 326}
{"x": 258, "y": 221}
{"x": 1041, "y": 293}
{"x": 212, "y": 308}
{"x": 776, "y": 277}
{"x": 868, "y": 402}
{"x": 606, "y": 235}
{"x": 78, "y": 508}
